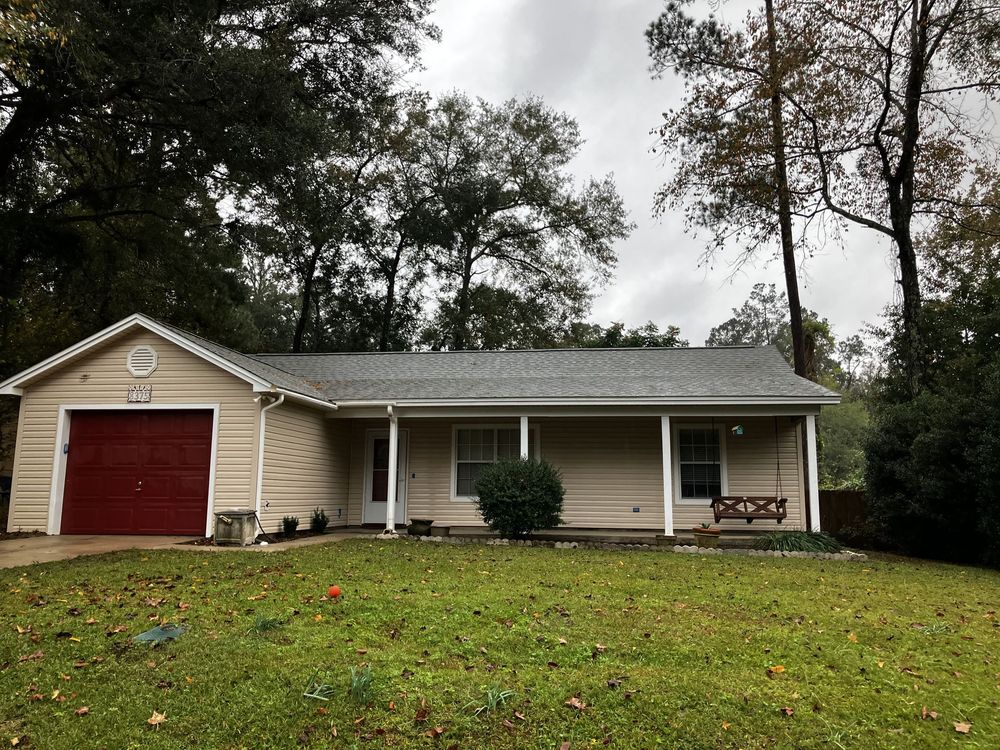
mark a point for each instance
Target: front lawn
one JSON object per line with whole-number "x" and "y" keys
{"x": 597, "y": 648}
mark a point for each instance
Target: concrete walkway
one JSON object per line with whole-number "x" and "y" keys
{"x": 38, "y": 549}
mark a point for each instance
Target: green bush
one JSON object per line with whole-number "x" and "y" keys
{"x": 319, "y": 521}
{"x": 798, "y": 541}
{"x": 519, "y": 496}
{"x": 289, "y": 524}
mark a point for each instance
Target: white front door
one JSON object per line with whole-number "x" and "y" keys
{"x": 377, "y": 476}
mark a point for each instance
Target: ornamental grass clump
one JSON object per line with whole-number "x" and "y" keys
{"x": 799, "y": 541}
{"x": 520, "y": 496}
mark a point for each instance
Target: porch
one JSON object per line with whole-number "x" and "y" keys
{"x": 628, "y": 476}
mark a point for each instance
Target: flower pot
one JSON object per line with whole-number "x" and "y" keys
{"x": 706, "y": 537}
{"x": 419, "y": 527}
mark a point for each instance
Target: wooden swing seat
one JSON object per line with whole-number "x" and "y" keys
{"x": 749, "y": 508}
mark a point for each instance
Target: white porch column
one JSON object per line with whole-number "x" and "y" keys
{"x": 668, "y": 480}
{"x": 813, "y": 468}
{"x": 390, "y": 500}
{"x": 524, "y": 437}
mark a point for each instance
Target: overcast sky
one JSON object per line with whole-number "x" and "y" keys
{"x": 588, "y": 58}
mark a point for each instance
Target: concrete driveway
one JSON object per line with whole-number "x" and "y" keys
{"x": 36, "y": 549}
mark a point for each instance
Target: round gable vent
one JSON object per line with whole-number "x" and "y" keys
{"x": 141, "y": 361}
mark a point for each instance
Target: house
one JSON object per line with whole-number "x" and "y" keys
{"x": 143, "y": 428}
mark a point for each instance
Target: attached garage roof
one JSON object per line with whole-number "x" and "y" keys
{"x": 587, "y": 376}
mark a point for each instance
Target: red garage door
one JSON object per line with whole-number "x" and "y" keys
{"x": 137, "y": 472}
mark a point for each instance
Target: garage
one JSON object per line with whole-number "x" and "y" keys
{"x": 138, "y": 472}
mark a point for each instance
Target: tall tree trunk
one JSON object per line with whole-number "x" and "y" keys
{"x": 901, "y": 199}
{"x": 784, "y": 200}
{"x": 29, "y": 117}
{"x": 389, "y": 306}
{"x": 307, "y": 288}
{"x": 460, "y": 327}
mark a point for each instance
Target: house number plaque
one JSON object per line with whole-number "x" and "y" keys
{"x": 140, "y": 394}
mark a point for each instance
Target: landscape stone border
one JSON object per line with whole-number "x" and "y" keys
{"x": 846, "y": 555}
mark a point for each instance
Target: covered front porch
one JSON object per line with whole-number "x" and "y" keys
{"x": 628, "y": 474}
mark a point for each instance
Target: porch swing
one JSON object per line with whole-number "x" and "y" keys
{"x": 751, "y": 508}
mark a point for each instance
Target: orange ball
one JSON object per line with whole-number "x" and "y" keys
{"x": 333, "y": 592}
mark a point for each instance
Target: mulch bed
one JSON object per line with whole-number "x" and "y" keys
{"x": 276, "y": 538}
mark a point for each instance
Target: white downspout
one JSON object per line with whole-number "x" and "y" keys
{"x": 261, "y": 426}
{"x": 391, "y": 490}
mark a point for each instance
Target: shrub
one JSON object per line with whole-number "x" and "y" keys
{"x": 799, "y": 541}
{"x": 289, "y": 525}
{"x": 519, "y": 496}
{"x": 319, "y": 521}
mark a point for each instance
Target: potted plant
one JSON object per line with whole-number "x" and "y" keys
{"x": 706, "y": 535}
{"x": 419, "y": 527}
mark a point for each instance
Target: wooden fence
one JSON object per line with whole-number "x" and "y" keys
{"x": 840, "y": 508}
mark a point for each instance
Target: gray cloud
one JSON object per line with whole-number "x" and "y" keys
{"x": 588, "y": 58}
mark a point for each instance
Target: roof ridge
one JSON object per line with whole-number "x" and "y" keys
{"x": 517, "y": 351}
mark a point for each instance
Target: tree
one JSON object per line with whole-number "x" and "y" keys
{"x": 733, "y": 173}
{"x": 762, "y": 321}
{"x": 932, "y": 458}
{"x": 504, "y": 211}
{"x": 616, "y": 336}
{"x": 894, "y": 105}
{"x": 122, "y": 127}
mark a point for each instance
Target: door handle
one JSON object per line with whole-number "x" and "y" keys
{"x": 138, "y": 487}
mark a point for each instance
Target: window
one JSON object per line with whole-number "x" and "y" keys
{"x": 476, "y": 447}
{"x": 700, "y": 462}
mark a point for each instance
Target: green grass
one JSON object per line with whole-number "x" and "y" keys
{"x": 657, "y": 649}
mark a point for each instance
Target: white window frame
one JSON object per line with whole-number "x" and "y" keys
{"x": 676, "y": 451}
{"x": 534, "y": 428}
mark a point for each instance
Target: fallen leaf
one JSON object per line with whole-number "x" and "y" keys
{"x": 565, "y": 746}
{"x": 925, "y": 714}
{"x": 434, "y": 732}
{"x": 787, "y": 710}
{"x": 962, "y": 727}
{"x": 575, "y": 702}
{"x": 317, "y": 618}
{"x": 562, "y": 641}
{"x": 36, "y": 656}
{"x": 519, "y": 715}
{"x": 15, "y": 741}
{"x": 852, "y": 637}
{"x": 776, "y": 669}
{"x": 726, "y": 725}
{"x": 156, "y": 719}
{"x": 82, "y": 711}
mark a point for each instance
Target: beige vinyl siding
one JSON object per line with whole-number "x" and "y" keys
{"x": 306, "y": 465}
{"x": 751, "y": 469}
{"x": 610, "y": 465}
{"x": 101, "y": 377}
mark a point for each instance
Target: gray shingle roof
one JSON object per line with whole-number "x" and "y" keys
{"x": 716, "y": 374}
{"x": 254, "y": 365}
